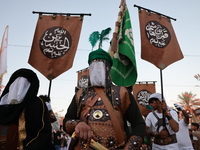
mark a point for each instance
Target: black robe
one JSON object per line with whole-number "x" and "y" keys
{"x": 37, "y": 120}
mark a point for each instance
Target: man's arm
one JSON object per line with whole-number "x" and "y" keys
{"x": 186, "y": 117}
{"x": 134, "y": 116}
{"x": 172, "y": 122}
{"x": 138, "y": 127}
{"x": 71, "y": 119}
{"x": 185, "y": 114}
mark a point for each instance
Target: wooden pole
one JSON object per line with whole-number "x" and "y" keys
{"x": 114, "y": 43}
{"x": 50, "y": 82}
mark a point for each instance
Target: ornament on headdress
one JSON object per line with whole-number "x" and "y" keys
{"x": 99, "y": 53}
{"x": 96, "y": 36}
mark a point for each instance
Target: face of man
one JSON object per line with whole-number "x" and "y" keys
{"x": 194, "y": 128}
{"x": 154, "y": 104}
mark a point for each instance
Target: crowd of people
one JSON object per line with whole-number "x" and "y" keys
{"x": 100, "y": 116}
{"x": 61, "y": 139}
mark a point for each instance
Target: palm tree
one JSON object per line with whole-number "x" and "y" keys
{"x": 189, "y": 103}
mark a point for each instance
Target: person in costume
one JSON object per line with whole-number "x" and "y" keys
{"x": 100, "y": 112}
{"x": 24, "y": 118}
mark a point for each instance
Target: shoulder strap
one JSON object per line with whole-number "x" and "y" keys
{"x": 160, "y": 122}
{"x": 159, "y": 119}
{"x": 156, "y": 115}
{"x": 89, "y": 104}
{"x": 118, "y": 130}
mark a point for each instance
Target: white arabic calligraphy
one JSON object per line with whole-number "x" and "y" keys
{"x": 157, "y": 34}
{"x": 129, "y": 34}
{"x": 143, "y": 96}
{"x": 55, "y": 42}
{"x": 83, "y": 82}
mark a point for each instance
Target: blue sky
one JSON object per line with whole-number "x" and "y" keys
{"x": 177, "y": 78}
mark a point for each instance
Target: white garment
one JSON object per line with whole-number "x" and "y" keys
{"x": 48, "y": 105}
{"x": 17, "y": 92}
{"x": 152, "y": 123}
{"x": 97, "y": 74}
{"x": 195, "y": 138}
{"x": 69, "y": 141}
{"x": 173, "y": 146}
{"x": 63, "y": 148}
{"x": 183, "y": 137}
{"x": 56, "y": 124}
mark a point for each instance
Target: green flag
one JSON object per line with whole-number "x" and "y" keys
{"x": 124, "y": 70}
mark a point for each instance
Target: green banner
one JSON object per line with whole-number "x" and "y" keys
{"x": 124, "y": 70}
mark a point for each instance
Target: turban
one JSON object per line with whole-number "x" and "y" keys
{"x": 99, "y": 54}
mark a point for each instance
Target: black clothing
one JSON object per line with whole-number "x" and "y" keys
{"x": 56, "y": 140}
{"x": 36, "y": 116}
{"x": 10, "y": 113}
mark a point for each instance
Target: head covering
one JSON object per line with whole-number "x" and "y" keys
{"x": 100, "y": 54}
{"x": 97, "y": 74}
{"x": 157, "y": 96}
{"x": 17, "y": 92}
{"x": 10, "y": 113}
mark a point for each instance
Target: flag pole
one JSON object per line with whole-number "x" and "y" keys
{"x": 50, "y": 82}
{"x": 161, "y": 82}
{"x": 67, "y": 14}
{"x": 139, "y": 7}
{"x": 114, "y": 43}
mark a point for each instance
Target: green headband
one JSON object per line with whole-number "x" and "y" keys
{"x": 100, "y": 54}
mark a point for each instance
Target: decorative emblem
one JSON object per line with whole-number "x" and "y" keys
{"x": 157, "y": 34}
{"x": 97, "y": 114}
{"x": 142, "y": 97}
{"x": 111, "y": 142}
{"x": 83, "y": 82}
{"x": 55, "y": 42}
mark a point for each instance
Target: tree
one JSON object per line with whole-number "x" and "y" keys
{"x": 189, "y": 102}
